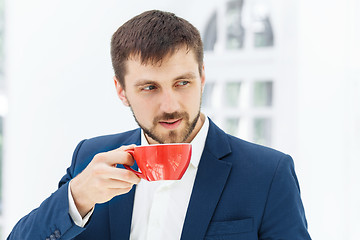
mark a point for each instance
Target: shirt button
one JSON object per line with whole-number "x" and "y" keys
{"x": 52, "y": 237}
{"x": 57, "y": 234}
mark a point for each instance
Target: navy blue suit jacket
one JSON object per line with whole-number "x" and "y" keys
{"x": 241, "y": 191}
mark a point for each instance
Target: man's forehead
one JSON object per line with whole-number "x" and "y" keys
{"x": 156, "y": 60}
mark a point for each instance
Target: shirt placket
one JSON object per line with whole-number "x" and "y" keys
{"x": 158, "y": 211}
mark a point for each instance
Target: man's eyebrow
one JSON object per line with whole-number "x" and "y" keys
{"x": 189, "y": 75}
{"x": 144, "y": 82}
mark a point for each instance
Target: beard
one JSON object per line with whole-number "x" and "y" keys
{"x": 173, "y": 136}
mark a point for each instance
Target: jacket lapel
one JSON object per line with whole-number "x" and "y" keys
{"x": 210, "y": 181}
{"x": 121, "y": 207}
{"x": 120, "y": 213}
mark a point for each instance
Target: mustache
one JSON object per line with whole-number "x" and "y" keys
{"x": 170, "y": 116}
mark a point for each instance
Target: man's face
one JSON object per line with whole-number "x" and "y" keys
{"x": 165, "y": 98}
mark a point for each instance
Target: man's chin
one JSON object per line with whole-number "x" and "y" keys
{"x": 165, "y": 137}
{"x": 171, "y": 137}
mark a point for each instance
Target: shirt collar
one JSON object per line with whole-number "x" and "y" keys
{"x": 198, "y": 143}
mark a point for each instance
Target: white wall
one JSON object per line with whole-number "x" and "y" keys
{"x": 329, "y": 116}
{"x": 60, "y": 91}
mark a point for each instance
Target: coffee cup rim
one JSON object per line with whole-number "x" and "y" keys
{"x": 163, "y": 144}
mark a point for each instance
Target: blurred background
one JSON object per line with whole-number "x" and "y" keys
{"x": 282, "y": 73}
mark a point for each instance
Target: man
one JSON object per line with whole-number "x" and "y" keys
{"x": 232, "y": 189}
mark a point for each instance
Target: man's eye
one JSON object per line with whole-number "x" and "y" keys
{"x": 149, "y": 88}
{"x": 183, "y": 83}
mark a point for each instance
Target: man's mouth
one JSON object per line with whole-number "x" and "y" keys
{"x": 170, "y": 124}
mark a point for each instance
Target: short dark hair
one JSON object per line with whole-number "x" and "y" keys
{"x": 152, "y": 35}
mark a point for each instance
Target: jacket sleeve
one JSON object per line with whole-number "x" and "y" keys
{"x": 284, "y": 216}
{"x": 51, "y": 220}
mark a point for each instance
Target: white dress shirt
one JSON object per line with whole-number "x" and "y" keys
{"x": 160, "y": 206}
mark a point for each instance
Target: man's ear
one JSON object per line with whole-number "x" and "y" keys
{"x": 121, "y": 92}
{"x": 202, "y": 78}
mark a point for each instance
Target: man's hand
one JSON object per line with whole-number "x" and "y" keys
{"x": 101, "y": 180}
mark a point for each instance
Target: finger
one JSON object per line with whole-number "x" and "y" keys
{"x": 113, "y": 192}
{"x": 126, "y": 147}
{"x": 116, "y": 156}
{"x": 124, "y": 175}
{"x": 128, "y": 159}
{"x": 119, "y": 191}
{"x": 114, "y": 183}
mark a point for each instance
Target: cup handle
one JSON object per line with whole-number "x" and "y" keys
{"x": 139, "y": 174}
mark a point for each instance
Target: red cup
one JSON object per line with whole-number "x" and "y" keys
{"x": 161, "y": 161}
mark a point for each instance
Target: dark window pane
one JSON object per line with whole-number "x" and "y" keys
{"x": 208, "y": 95}
{"x": 263, "y": 94}
{"x": 262, "y": 131}
{"x": 232, "y": 94}
{"x": 262, "y": 28}
{"x": 235, "y": 32}
{"x": 210, "y": 36}
{"x": 232, "y": 126}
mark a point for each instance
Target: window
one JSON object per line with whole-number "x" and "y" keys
{"x": 211, "y": 33}
{"x": 263, "y": 94}
{"x": 261, "y": 25}
{"x": 239, "y": 54}
{"x": 235, "y": 31}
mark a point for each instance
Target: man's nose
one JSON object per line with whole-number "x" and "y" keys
{"x": 169, "y": 102}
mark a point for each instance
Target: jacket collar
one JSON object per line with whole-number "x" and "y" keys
{"x": 209, "y": 183}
